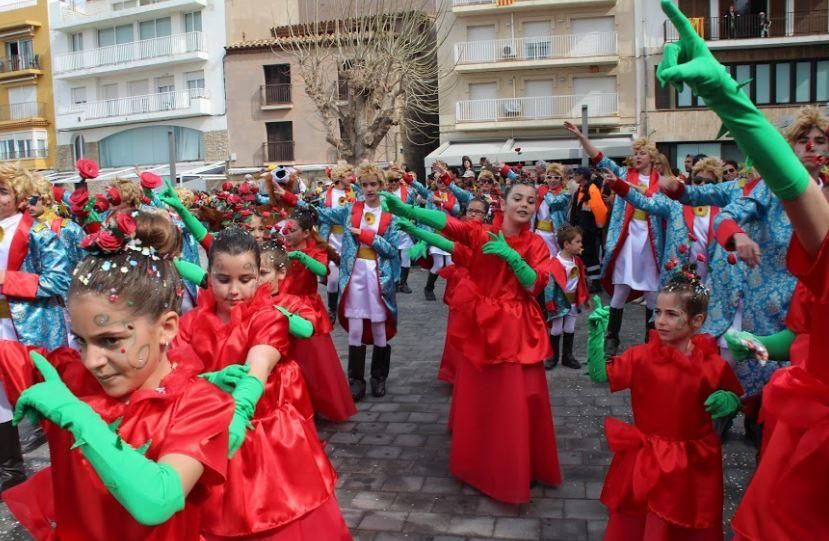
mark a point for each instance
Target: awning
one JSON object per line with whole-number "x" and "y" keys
{"x": 532, "y": 150}
{"x": 186, "y": 172}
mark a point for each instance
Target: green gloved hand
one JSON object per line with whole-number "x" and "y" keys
{"x": 247, "y": 393}
{"x": 192, "y": 272}
{"x": 298, "y": 326}
{"x": 690, "y": 62}
{"x": 743, "y": 345}
{"x": 498, "y": 246}
{"x": 596, "y": 329}
{"x": 778, "y": 344}
{"x": 149, "y": 491}
{"x": 418, "y": 251}
{"x": 432, "y": 218}
{"x": 722, "y": 404}
{"x": 309, "y": 262}
{"x": 228, "y": 377}
{"x": 169, "y": 196}
{"x": 429, "y": 237}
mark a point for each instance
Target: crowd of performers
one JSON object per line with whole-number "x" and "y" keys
{"x": 179, "y": 401}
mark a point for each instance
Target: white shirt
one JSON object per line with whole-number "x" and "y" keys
{"x": 9, "y": 226}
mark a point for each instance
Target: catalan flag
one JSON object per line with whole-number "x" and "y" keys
{"x": 504, "y": 2}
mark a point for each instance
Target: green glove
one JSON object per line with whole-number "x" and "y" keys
{"x": 169, "y": 196}
{"x": 430, "y": 238}
{"x": 498, "y": 246}
{"x": 690, "y": 62}
{"x": 152, "y": 196}
{"x": 191, "y": 271}
{"x": 596, "y": 329}
{"x": 418, "y": 251}
{"x": 228, "y": 377}
{"x": 149, "y": 491}
{"x": 298, "y": 326}
{"x": 778, "y": 344}
{"x": 433, "y": 218}
{"x": 247, "y": 393}
{"x": 309, "y": 262}
{"x": 722, "y": 404}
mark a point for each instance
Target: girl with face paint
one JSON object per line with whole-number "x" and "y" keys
{"x": 151, "y": 437}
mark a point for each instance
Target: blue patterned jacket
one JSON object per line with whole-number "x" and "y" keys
{"x": 37, "y": 280}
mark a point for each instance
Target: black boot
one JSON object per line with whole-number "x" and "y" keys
{"x": 567, "y": 358}
{"x": 380, "y": 365}
{"x": 403, "y": 286}
{"x": 357, "y": 371}
{"x": 611, "y": 338}
{"x": 551, "y": 363}
{"x": 332, "y": 306}
{"x": 31, "y": 435}
{"x": 649, "y": 325}
{"x": 12, "y": 472}
{"x": 429, "y": 290}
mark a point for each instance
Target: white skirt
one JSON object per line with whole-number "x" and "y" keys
{"x": 437, "y": 251}
{"x": 404, "y": 241}
{"x": 335, "y": 240}
{"x": 635, "y": 265}
{"x": 364, "y": 300}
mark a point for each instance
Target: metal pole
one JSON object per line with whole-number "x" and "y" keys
{"x": 171, "y": 139}
{"x": 584, "y": 128}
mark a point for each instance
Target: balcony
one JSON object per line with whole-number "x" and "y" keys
{"x": 278, "y": 152}
{"x": 15, "y": 68}
{"x": 534, "y": 112}
{"x": 477, "y": 7}
{"x": 23, "y": 115}
{"x": 750, "y": 32}
{"x": 78, "y": 14}
{"x": 126, "y": 56}
{"x": 275, "y": 97}
{"x": 538, "y": 52}
{"x": 162, "y": 106}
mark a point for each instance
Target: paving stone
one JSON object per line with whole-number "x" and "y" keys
{"x": 517, "y": 528}
{"x": 482, "y": 526}
{"x": 387, "y": 521}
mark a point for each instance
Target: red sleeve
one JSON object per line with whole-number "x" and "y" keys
{"x": 676, "y": 194}
{"x": 22, "y": 285}
{"x": 297, "y": 306}
{"x": 207, "y": 241}
{"x": 620, "y": 370}
{"x": 812, "y": 272}
{"x": 367, "y": 236}
{"x": 199, "y": 429}
{"x": 621, "y": 187}
{"x": 464, "y": 232}
{"x": 798, "y": 318}
{"x": 728, "y": 379}
{"x": 725, "y": 233}
{"x": 599, "y": 157}
{"x": 319, "y": 254}
{"x": 185, "y": 330}
{"x": 269, "y": 327}
{"x": 17, "y": 373}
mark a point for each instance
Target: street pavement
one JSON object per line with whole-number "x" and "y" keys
{"x": 392, "y": 457}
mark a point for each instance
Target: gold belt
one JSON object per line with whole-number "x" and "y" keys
{"x": 571, "y": 297}
{"x": 337, "y": 229}
{"x": 640, "y": 214}
{"x": 5, "y": 309}
{"x": 544, "y": 225}
{"x": 366, "y": 252}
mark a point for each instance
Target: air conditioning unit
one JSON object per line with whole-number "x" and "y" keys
{"x": 512, "y": 108}
{"x": 508, "y": 52}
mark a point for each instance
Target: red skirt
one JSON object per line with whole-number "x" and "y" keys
{"x": 325, "y": 378}
{"x": 324, "y": 522}
{"x": 502, "y": 430}
{"x": 650, "y": 527}
{"x": 449, "y": 361}
{"x": 32, "y": 503}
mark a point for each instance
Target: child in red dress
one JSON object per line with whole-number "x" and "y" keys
{"x": 666, "y": 480}
{"x": 135, "y": 438}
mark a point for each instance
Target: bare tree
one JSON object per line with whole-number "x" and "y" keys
{"x": 368, "y": 65}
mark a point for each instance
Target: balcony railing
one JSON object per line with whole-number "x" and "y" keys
{"x": 538, "y": 108}
{"x": 458, "y": 3}
{"x": 124, "y": 53}
{"x": 537, "y": 48}
{"x": 791, "y": 24}
{"x": 278, "y": 151}
{"x": 21, "y": 111}
{"x": 19, "y": 62}
{"x": 137, "y": 105}
{"x": 84, "y": 11}
{"x": 22, "y": 154}
{"x": 278, "y": 94}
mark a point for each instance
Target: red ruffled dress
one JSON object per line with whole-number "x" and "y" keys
{"x": 666, "y": 478}
{"x": 502, "y": 424}
{"x": 786, "y": 499}
{"x": 67, "y": 501}
{"x": 317, "y": 355}
{"x": 280, "y": 484}
{"x": 457, "y": 277}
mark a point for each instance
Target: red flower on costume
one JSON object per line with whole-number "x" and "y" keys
{"x": 114, "y": 196}
{"x": 78, "y": 200}
{"x": 101, "y": 203}
{"x": 150, "y": 181}
{"x": 227, "y": 186}
{"x": 88, "y": 241}
{"x": 125, "y": 224}
{"x": 683, "y": 248}
{"x": 87, "y": 169}
{"x": 732, "y": 259}
{"x": 107, "y": 242}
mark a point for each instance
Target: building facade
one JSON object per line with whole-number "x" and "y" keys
{"x": 781, "y": 46}
{"x": 515, "y": 70}
{"x": 127, "y": 71}
{"x": 27, "y": 119}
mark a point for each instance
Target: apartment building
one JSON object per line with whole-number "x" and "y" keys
{"x": 781, "y": 46}
{"x": 516, "y": 69}
{"x": 27, "y": 121}
{"x": 126, "y": 71}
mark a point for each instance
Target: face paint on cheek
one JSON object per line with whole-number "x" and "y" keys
{"x": 142, "y": 357}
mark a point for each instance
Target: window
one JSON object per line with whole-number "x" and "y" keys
{"x": 802, "y": 81}
{"x": 742, "y": 73}
{"x": 537, "y": 39}
{"x": 480, "y": 46}
{"x": 76, "y": 42}
{"x": 762, "y": 82}
{"x": 156, "y": 28}
{"x": 22, "y": 145}
{"x": 78, "y": 148}
{"x": 782, "y": 86}
{"x": 115, "y": 36}
{"x": 78, "y": 95}
{"x": 280, "y": 144}
{"x": 23, "y": 102}
{"x": 822, "y": 81}
{"x": 20, "y": 55}
{"x": 195, "y": 83}
{"x": 192, "y": 22}
{"x": 149, "y": 145}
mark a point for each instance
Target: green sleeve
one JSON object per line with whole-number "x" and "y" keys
{"x": 433, "y": 239}
{"x": 778, "y": 344}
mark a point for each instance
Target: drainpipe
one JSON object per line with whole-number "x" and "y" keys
{"x": 639, "y": 23}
